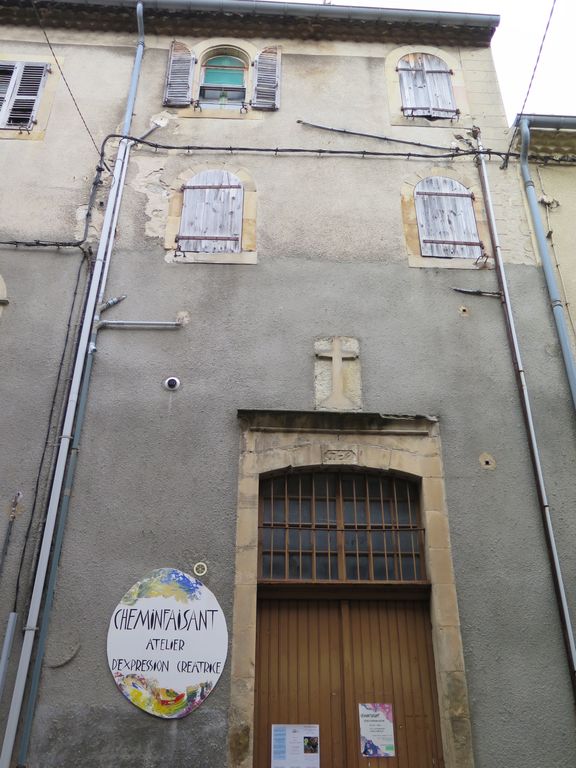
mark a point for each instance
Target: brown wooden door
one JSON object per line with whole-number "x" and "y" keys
{"x": 316, "y": 660}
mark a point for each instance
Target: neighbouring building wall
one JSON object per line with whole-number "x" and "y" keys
{"x": 331, "y": 241}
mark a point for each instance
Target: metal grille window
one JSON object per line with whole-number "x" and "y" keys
{"x": 340, "y": 527}
{"x": 426, "y": 87}
{"x": 446, "y": 221}
{"x": 223, "y": 80}
{"x": 20, "y": 87}
{"x": 212, "y": 214}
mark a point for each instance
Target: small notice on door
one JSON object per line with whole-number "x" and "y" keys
{"x": 295, "y": 746}
{"x": 376, "y": 730}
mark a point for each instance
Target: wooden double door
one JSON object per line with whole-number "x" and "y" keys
{"x": 318, "y": 659}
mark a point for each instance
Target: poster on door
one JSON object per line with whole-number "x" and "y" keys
{"x": 376, "y": 730}
{"x": 295, "y": 746}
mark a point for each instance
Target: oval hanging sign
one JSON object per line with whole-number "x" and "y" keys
{"x": 167, "y": 643}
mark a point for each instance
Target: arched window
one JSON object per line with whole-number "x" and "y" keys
{"x": 426, "y": 87}
{"x": 340, "y": 527}
{"x": 211, "y": 219}
{"x": 446, "y": 221}
{"x": 223, "y": 79}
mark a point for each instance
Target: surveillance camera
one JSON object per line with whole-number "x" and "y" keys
{"x": 171, "y": 383}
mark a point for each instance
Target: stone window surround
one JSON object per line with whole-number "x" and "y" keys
{"x": 38, "y": 131}
{"x": 409, "y": 445}
{"x": 410, "y": 222}
{"x": 458, "y": 88}
{"x": 248, "y": 254}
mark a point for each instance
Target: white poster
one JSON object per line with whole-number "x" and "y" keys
{"x": 167, "y": 643}
{"x": 295, "y": 746}
{"x": 376, "y": 730}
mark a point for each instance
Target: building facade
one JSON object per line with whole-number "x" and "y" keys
{"x": 262, "y": 298}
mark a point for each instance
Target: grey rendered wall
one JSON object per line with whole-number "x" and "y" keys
{"x": 156, "y": 482}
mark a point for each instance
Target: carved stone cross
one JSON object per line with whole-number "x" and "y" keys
{"x": 337, "y": 374}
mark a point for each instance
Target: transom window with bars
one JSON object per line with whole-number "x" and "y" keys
{"x": 340, "y": 527}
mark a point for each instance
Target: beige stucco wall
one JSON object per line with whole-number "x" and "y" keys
{"x": 556, "y": 190}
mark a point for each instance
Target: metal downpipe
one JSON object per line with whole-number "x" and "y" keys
{"x": 65, "y": 461}
{"x": 559, "y": 589}
{"x": 549, "y": 274}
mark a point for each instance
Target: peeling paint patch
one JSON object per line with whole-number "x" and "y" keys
{"x": 148, "y": 180}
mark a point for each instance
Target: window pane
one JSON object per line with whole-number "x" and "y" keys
{"x": 294, "y": 485}
{"x": 266, "y": 565}
{"x": 377, "y": 538}
{"x": 333, "y": 566}
{"x": 306, "y": 539}
{"x": 278, "y": 511}
{"x": 294, "y": 541}
{"x": 294, "y": 567}
{"x": 322, "y": 567}
{"x": 321, "y": 512}
{"x": 306, "y": 512}
{"x": 266, "y": 538}
{"x": 324, "y": 485}
{"x": 278, "y": 538}
{"x": 360, "y": 512}
{"x": 278, "y": 562}
{"x": 364, "y": 567}
{"x": 322, "y": 540}
{"x": 293, "y": 511}
{"x": 350, "y": 541}
{"x": 403, "y": 513}
{"x": 351, "y": 568}
{"x": 407, "y": 568}
{"x": 266, "y": 511}
{"x": 278, "y": 486}
{"x": 306, "y": 485}
{"x": 348, "y": 486}
{"x": 376, "y": 517}
{"x": 306, "y": 572}
{"x": 348, "y": 510}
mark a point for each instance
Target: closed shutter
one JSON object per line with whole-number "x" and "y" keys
{"x": 446, "y": 221}
{"x": 267, "y": 79}
{"x": 20, "y": 87}
{"x": 212, "y": 214}
{"x": 426, "y": 86}
{"x": 439, "y": 87}
{"x": 178, "y": 87}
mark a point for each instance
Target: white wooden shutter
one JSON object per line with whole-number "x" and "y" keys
{"x": 439, "y": 87}
{"x": 267, "y": 79}
{"x": 415, "y": 100}
{"x": 178, "y": 86}
{"x": 426, "y": 86}
{"x": 212, "y": 214}
{"x": 20, "y": 87}
{"x": 446, "y": 221}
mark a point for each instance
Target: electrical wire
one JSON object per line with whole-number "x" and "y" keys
{"x": 47, "y": 436}
{"x": 62, "y": 74}
{"x": 451, "y": 153}
{"x": 517, "y": 125}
